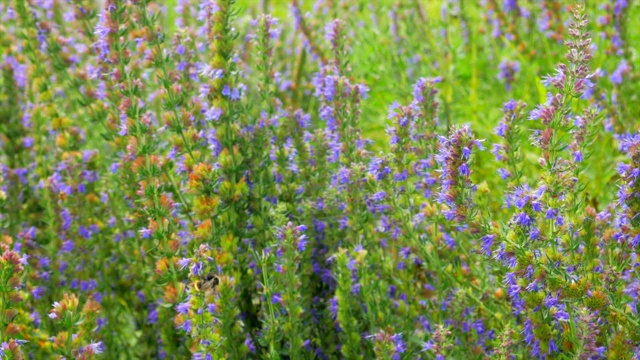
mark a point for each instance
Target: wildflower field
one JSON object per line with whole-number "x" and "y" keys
{"x": 338, "y": 179}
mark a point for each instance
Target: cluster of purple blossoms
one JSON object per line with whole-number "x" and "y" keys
{"x": 455, "y": 184}
{"x": 508, "y": 71}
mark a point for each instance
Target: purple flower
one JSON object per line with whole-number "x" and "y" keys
{"x": 551, "y": 213}
{"x": 145, "y": 233}
{"x": 536, "y": 206}
{"x": 504, "y": 173}
{"x": 183, "y": 308}
{"x": 186, "y": 326}
{"x": 616, "y": 76}
{"x": 399, "y": 345}
{"x": 464, "y": 169}
{"x": 523, "y": 219}
{"x": 27, "y": 142}
{"x": 487, "y": 242}
{"x": 94, "y": 348}
{"x": 302, "y": 243}
{"x": 211, "y": 308}
{"x": 213, "y": 114}
{"x": 334, "y": 307}
{"x": 184, "y": 262}
{"x": 333, "y": 30}
{"x": 226, "y": 91}
{"x": 577, "y": 156}
{"x": 561, "y": 315}
{"x": 276, "y": 298}
{"x": 102, "y": 30}
{"x": 38, "y": 292}
{"x": 152, "y": 318}
{"x": 248, "y": 342}
{"x": 508, "y": 71}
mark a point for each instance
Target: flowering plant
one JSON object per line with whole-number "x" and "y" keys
{"x": 204, "y": 181}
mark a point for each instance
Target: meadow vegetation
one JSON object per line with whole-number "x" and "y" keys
{"x": 338, "y": 179}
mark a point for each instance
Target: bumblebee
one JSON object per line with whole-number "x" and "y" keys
{"x": 207, "y": 284}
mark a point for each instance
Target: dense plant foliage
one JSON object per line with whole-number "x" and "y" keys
{"x": 202, "y": 181}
